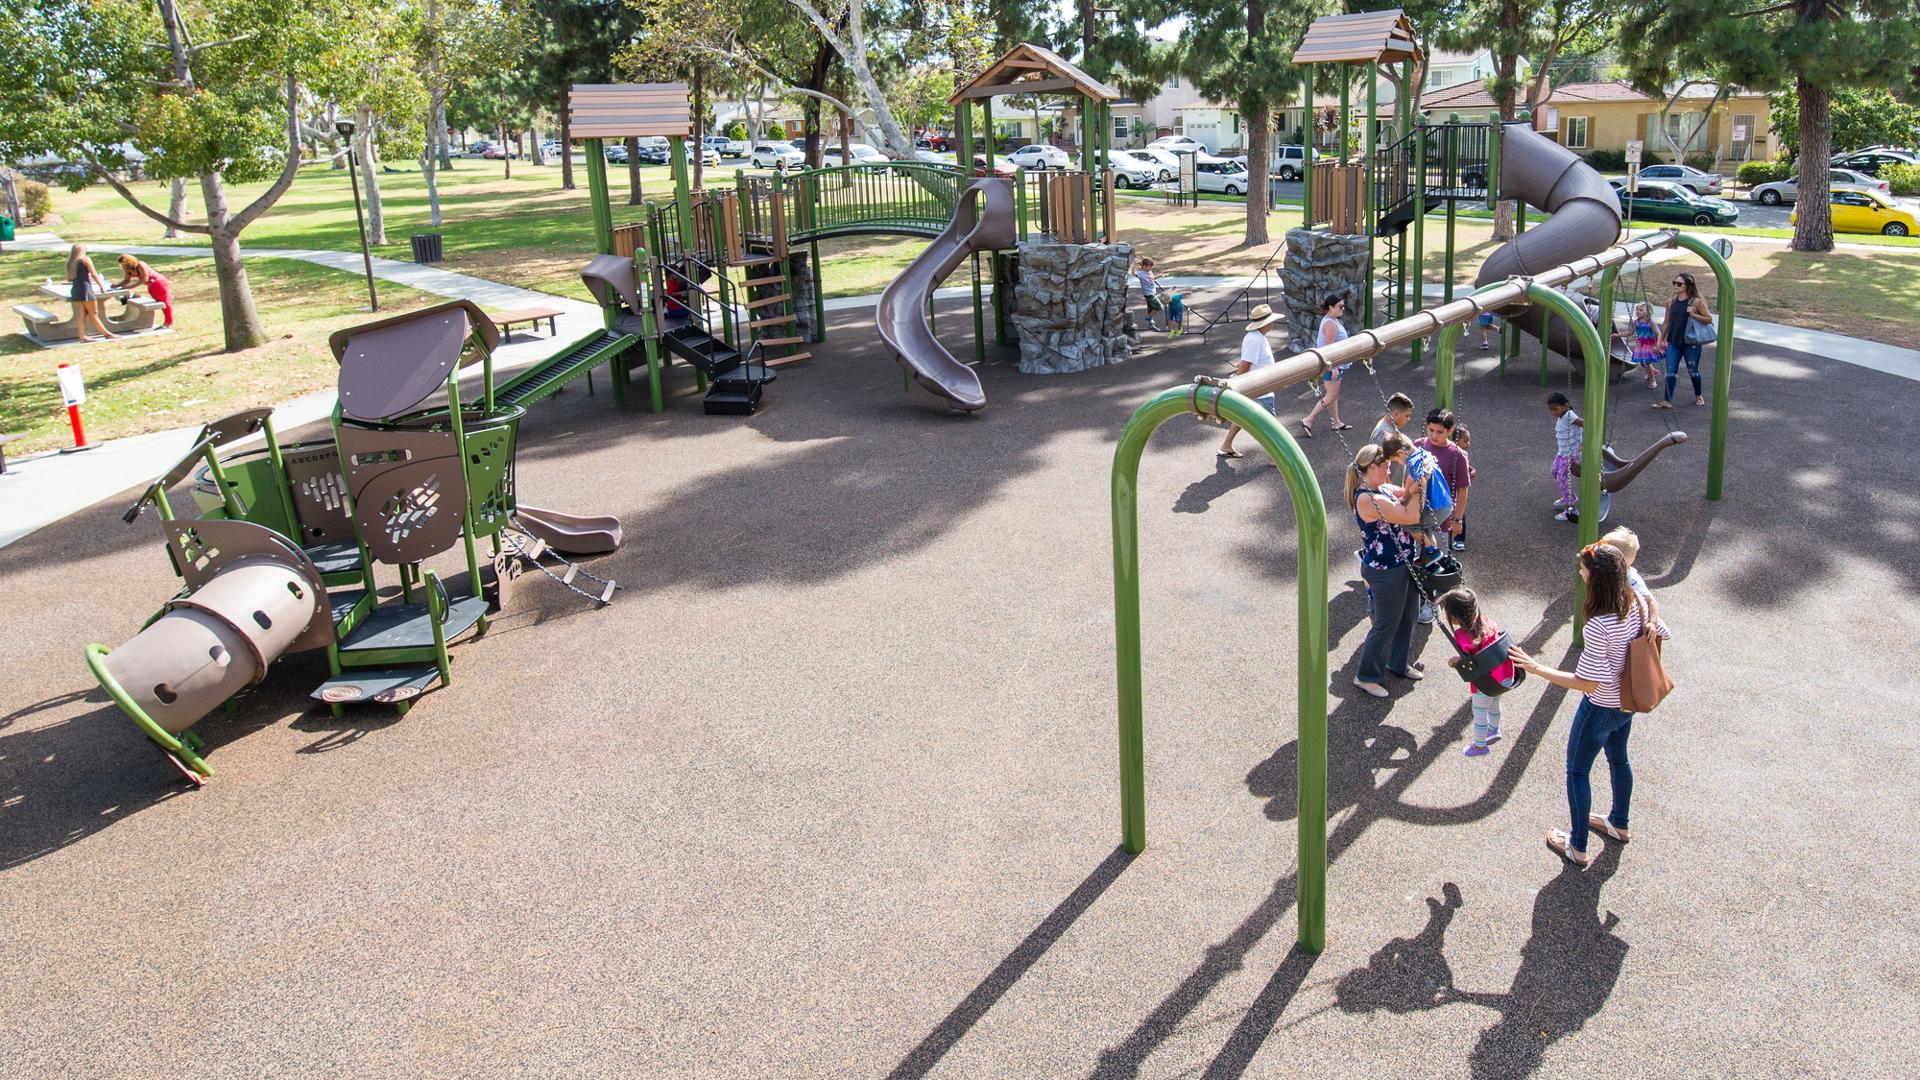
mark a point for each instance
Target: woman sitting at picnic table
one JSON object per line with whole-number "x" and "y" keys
{"x": 134, "y": 272}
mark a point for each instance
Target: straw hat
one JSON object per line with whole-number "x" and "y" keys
{"x": 1262, "y": 317}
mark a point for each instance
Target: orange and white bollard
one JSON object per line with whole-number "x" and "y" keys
{"x": 74, "y": 392}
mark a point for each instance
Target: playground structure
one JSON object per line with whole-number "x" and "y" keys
{"x": 1529, "y": 293}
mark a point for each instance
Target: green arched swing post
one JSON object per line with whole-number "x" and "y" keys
{"x": 1310, "y": 527}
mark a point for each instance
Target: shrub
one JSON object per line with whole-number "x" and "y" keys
{"x": 1700, "y": 159}
{"x": 1755, "y": 173}
{"x": 1904, "y": 179}
{"x": 737, "y": 130}
{"x": 1608, "y": 160}
{"x": 35, "y": 202}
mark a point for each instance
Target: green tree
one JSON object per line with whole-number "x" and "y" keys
{"x": 1814, "y": 47}
{"x": 1237, "y": 51}
{"x": 1861, "y": 118}
{"x": 459, "y": 42}
{"x": 373, "y": 76}
{"x": 576, "y": 41}
{"x": 210, "y": 91}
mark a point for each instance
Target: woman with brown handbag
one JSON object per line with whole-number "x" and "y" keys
{"x": 1615, "y": 615}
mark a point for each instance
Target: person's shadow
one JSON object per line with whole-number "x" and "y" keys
{"x": 1568, "y": 970}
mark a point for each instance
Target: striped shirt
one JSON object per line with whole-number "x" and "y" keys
{"x": 1604, "y": 656}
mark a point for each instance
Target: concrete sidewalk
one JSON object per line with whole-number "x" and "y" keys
{"x": 41, "y": 489}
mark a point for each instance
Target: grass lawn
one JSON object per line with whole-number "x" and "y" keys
{"x": 172, "y": 380}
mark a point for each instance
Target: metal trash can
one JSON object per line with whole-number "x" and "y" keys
{"x": 426, "y": 247}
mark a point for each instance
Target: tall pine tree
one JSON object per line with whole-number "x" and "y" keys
{"x": 1813, "y": 47}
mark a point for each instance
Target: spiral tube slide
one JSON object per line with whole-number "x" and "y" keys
{"x": 1584, "y": 219}
{"x": 983, "y": 220}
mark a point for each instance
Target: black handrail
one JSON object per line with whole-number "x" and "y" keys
{"x": 1259, "y": 275}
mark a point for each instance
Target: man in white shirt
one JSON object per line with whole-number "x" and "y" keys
{"x": 1255, "y": 352}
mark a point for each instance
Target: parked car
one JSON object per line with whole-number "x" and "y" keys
{"x": 708, "y": 155}
{"x": 652, "y": 155}
{"x": 616, "y": 153}
{"x": 935, "y": 157}
{"x": 773, "y": 155}
{"x": 1671, "y": 202}
{"x": 1868, "y": 212}
{"x": 1168, "y": 161}
{"x": 1219, "y": 174}
{"x": 736, "y": 148}
{"x": 1289, "y": 162}
{"x": 1176, "y": 142}
{"x": 1840, "y": 179}
{"x": 495, "y": 152}
{"x": 860, "y": 154}
{"x": 716, "y": 143}
{"x": 1686, "y": 176}
{"x": 478, "y": 148}
{"x": 1132, "y": 172}
{"x": 1001, "y": 166}
{"x": 551, "y": 147}
{"x": 1040, "y": 156}
{"x": 1872, "y": 161}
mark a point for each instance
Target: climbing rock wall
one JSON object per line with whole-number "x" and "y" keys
{"x": 1070, "y": 306}
{"x": 800, "y": 283}
{"x": 1320, "y": 263}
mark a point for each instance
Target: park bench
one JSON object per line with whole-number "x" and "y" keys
{"x": 506, "y": 320}
{"x": 38, "y": 320}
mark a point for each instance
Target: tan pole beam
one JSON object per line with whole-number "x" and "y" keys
{"x": 1367, "y": 344}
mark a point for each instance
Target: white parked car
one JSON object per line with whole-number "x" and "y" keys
{"x": 1219, "y": 174}
{"x": 1040, "y": 156}
{"x": 773, "y": 155}
{"x": 1132, "y": 172}
{"x": 1176, "y": 142}
{"x": 1289, "y": 162}
{"x": 1842, "y": 179}
{"x": 1167, "y": 161}
{"x": 861, "y": 154}
{"x": 1686, "y": 176}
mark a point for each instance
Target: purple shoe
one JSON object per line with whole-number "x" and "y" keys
{"x": 1493, "y": 737}
{"x": 1476, "y": 751}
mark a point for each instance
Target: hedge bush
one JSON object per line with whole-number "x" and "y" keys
{"x": 35, "y": 202}
{"x": 1904, "y": 179}
{"x": 1754, "y": 173}
{"x": 1607, "y": 160}
{"x": 1702, "y": 160}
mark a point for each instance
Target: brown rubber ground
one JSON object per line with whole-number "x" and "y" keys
{"x": 830, "y": 790}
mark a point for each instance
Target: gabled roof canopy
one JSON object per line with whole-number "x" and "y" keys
{"x": 620, "y": 110}
{"x": 1366, "y": 37}
{"x": 1030, "y": 69}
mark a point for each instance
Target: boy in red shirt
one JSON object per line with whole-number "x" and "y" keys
{"x": 1454, "y": 465}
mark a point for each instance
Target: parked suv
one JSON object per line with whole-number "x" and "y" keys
{"x": 1219, "y": 174}
{"x": 1040, "y": 156}
{"x": 1289, "y": 162}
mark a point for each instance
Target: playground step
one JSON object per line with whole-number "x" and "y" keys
{"x": 781, "y": 299}
{"x": 700, "y": 349}
{"x": 757, "y": 260}
{"x": 341, "y": 602}
{"x": 389, "y": 686}
{"x": 777, "y": 361}
{"x": 772, "y": 341}
{"x": 335, "y": 557}
{"x": 409, "y": 626}
{"x": 756, "y": 282}
{"x": 771, "y": 320}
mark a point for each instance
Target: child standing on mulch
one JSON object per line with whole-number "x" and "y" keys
{"x": 1568, "y": 434}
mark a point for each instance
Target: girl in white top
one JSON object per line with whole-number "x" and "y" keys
{"x": 1255, "y": 352}
{"x": 1331, "y": 330}
{"x": 1615, "y": 613}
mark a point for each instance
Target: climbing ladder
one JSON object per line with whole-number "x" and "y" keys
{"x": 755, "y": 222}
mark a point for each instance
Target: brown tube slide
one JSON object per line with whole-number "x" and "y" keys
{"x": 983, "y": 220}
{"x": 1584, "y": 219}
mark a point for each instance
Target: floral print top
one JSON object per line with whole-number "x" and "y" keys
{"x": 1383, "y": 545}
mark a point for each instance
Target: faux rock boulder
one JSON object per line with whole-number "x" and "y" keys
{"x": 1070, "y": 306}
{"x": 1320, "y": 264}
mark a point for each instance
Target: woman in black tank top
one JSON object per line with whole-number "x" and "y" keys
{"x": 1686, "y": 307}
{"x": 87, "y": 288}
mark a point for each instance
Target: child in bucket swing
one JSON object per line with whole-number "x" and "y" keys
{"x": 1473, "y": 631}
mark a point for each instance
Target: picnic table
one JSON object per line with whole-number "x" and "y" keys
{"x": 47, "y": 326}
{"x": 506, "y": 320}
{"x": 63, "y": 290}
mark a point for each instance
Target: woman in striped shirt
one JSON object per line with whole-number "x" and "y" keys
{"x": 1614, "y": 615}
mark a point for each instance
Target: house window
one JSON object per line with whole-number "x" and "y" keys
{"x": 1122, "y": 127}
{"x": 1179, "y": 124}
{"x": 1236, "y": 123}
{"x": 1173, "y": 82}
{"x": 1280, "y": 121}
{"x": 1436, "y": 78}
{"x": 1576, "y": 137}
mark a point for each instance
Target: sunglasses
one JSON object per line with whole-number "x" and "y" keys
{"x": 1679, "y": 284}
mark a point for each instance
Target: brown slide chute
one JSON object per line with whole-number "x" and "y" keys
{"x": 983, "y": 220}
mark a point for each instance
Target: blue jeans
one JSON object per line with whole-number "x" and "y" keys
{"x": 1597, "y": 728}
{"x": 1674, "y": 355}
{"x": 1390, "y": 637}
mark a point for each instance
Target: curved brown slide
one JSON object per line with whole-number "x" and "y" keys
{"x": 1584, "y": 219}
{"x": 983, "y": 220}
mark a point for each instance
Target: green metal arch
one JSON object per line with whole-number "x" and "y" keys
{"x": 1310, "y": 526}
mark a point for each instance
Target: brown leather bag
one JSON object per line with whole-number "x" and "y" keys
{"x": 1644, "y": 682}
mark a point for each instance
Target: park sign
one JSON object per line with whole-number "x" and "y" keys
{"x": 1634, "y": 148}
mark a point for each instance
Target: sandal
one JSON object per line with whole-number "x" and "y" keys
{"x": 1308, "y": 428}
{"x": 1699, "y": 400}
{"x": 1562, "y": 846}
{"x": 1343, "y": 427}
{"x": 1372, "y": 688}
{"x": 1661, "y": 405}
{"x": 1228, "y": 454}
{"x": 1598, "y": 823}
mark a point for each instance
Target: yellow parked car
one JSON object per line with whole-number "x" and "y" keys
{"x": 1869, "y": 212}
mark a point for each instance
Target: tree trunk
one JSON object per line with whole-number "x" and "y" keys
{"x": 176, "y": 206}
{"x": 10, "y": 185}
{"x": 506, "y": 152}
{"x": 370, "y": 181}
{"x": 699, "y": 124}
{"x": 239, "y": 319}
{"x": 430, "y": 167}
{"x": 566, "y": 146}
{"x": 1259, "y": 118}
{"x": 1813, "y": 217}
{"x": 440, "y": 134}
{"x": 634, "y": 197}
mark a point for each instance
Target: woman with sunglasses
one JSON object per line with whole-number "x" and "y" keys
{"x": 1685, "y": 307}
{"x": 1614, "y": 616}
{"x": 1383, "y": 511}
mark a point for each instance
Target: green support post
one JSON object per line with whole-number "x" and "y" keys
{"x": 1592, "y": 465}
{"x": 682, "y": 192}
{"x": 598, "y": 198}
{"x": 1451, "y": 179}
{"x": 1367, "y": 179}
{"x": 1722, "y": 359}
{"x": 986, "y": 122}
{"x": 1493, "y": 161}
{"x": 1418, "y": 263}
{"x": 1306, "y": 150}
{"x": 1019, "y": 202}
{"x": 1310, "y": 532}
{"x": 650, "y": 343}
{"x": 1346, "y": 113}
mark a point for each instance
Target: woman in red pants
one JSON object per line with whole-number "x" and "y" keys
{"x": 135, "y": 272}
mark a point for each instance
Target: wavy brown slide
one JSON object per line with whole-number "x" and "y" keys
{"x": 983, "y": 220}
{"x": 571, "y": 534}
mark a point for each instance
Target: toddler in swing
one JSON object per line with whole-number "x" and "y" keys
{"x": 1473, "y": 631}
{"x": 1647, "y": 349}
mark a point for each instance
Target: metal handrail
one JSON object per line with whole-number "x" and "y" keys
{"x": 1259, "y": 275}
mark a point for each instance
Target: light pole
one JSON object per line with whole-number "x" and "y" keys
{"x": 345, "y": 128}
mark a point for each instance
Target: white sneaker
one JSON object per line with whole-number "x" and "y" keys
{"x": 1561, "y": 504}
{"x": 1426, "y": 614}
{"x": 1372, "y": 688}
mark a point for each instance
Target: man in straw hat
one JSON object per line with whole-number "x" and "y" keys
{"x": 1255, "y": 352}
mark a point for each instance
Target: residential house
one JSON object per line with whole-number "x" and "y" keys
{"x": 1605, "y": 116}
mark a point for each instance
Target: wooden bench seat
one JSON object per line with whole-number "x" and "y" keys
{"x": 507, "y": 320}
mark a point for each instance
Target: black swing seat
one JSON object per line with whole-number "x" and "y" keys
{"x": 1477, "y": 668}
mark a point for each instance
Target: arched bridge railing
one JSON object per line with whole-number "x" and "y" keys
{"x": 905, "y": 198}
